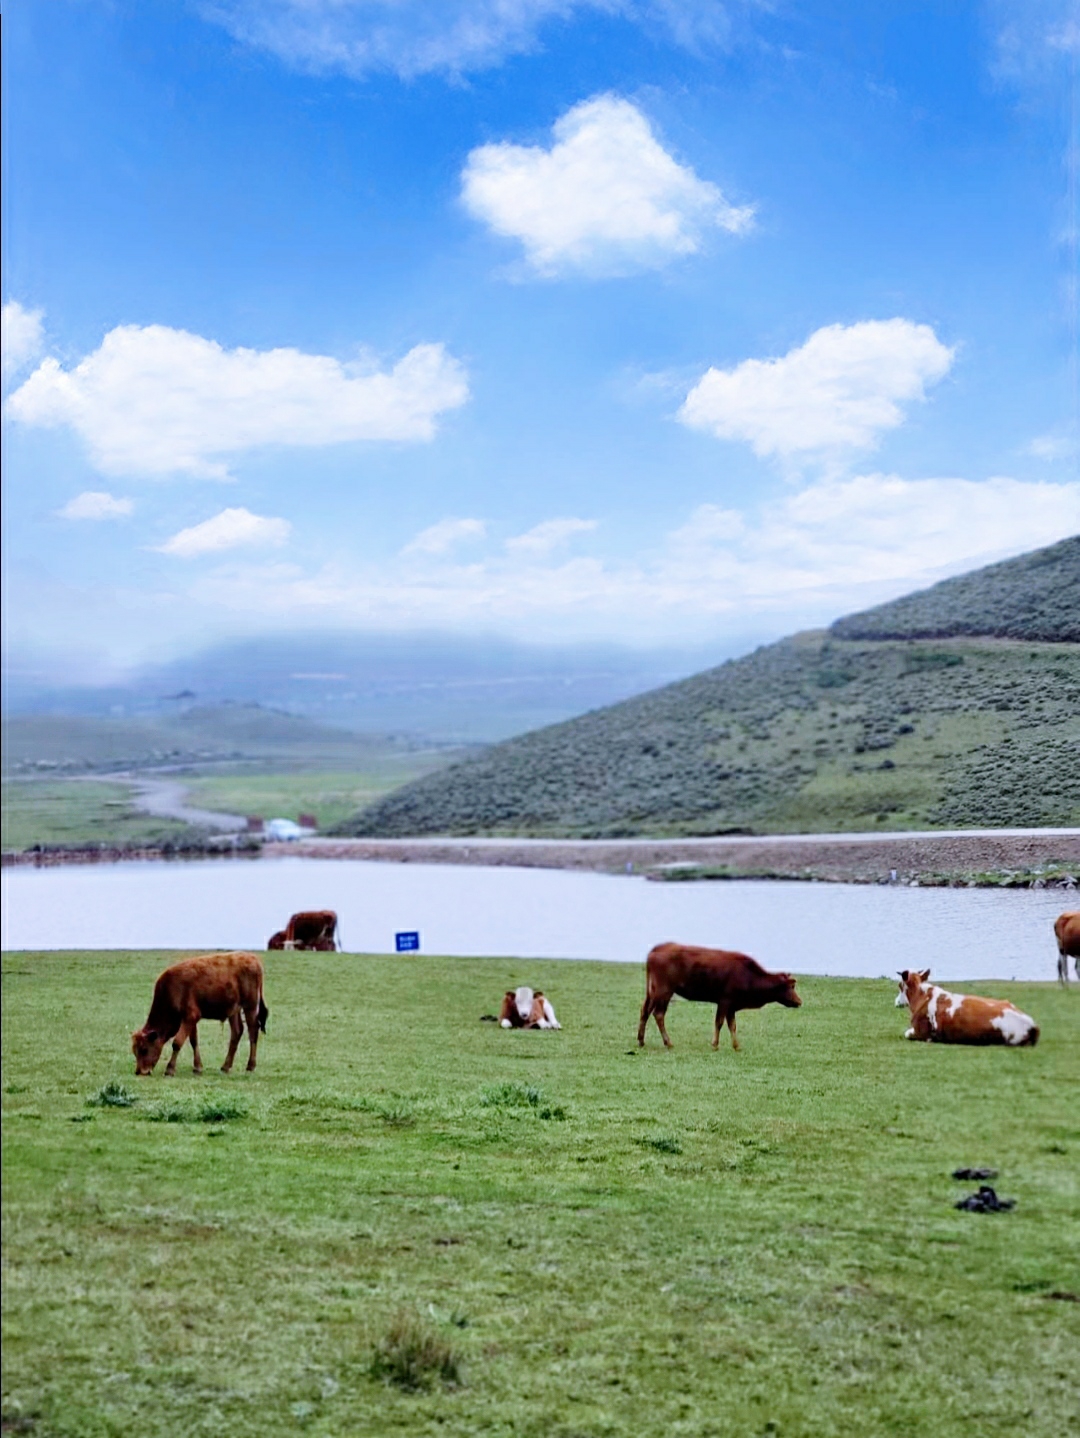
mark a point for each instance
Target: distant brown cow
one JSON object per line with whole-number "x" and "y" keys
{"x": 211, "y": 986}
{"x": 312, "y": 929}
{"x": 1067, "y": 933}
{"x": 711, "y": 976}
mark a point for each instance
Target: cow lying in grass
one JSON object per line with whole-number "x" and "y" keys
{"x": 212, "y": 986}
{"x": 710, "y": 976}
{"x": 310, "y": 929}
{"x": 943, "y": 1018}
{"x": 523, "y": 1009}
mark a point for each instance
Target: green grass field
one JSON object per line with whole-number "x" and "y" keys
{"x": 78, "y": 811}
{"x": 549, "y": 1235}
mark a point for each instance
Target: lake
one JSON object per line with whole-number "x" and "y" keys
{"x": 852, "y": 930}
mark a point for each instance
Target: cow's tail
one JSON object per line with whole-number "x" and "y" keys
{"x": 264, "y": 1014}
{"x": 1031, "y": 1038}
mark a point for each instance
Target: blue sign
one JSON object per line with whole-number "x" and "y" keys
{"x": 407, "y": 943}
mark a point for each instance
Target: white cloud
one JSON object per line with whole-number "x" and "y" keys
{"x": 94, "y": 504}
{"x": 418, "y": 37}
{"x": 1035, "y": 39}
{"x": 872, "y": 530}
{"x": 21, "y": 338}
{"x": 1053, "y": 446}
{"x": 155, "y": 401}
{"x": 231, "y": 529}
{"x": 840, "y": 390}
{"x": 607, "y": 198}
{"x": 441, "y": 537}
{"x": 548, "y": 535}
{"x": 797, "y": 561}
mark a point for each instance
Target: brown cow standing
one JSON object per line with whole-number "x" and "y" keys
{"x": 211, "y": 986}
{"x": 1067, "y": 933}
{"x": 311, "y": 929}
{"x": 711, "y": 976}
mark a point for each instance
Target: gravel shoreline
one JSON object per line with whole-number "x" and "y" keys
{"x": 1017, "y": 858}
{"x": 898, "y": 858}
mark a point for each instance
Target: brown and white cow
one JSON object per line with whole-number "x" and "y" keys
{"x": 1067, "y": 933}
{"x": 939, "y": 1017}
{"x": 524, "y": 1009}
{"x": 211, "y": 986}
{"x": 729, "y": 980}
{"x": 311, "y": 929}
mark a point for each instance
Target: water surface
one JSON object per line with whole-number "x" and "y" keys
{"x": 854, "y": 930}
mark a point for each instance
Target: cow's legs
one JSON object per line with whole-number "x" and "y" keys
{"x": 178, "y": 1044}
{"x": 721, "y": 1015}
{"x": 193, "y": 1032}
{"x": 659, "y": 1010}
{"x": 236, "y": 1029}
{"x": 646, "y": 1010}
{"x": 1063, "y": 967}
{"x": 252, "y": 1017}
{"x": 731, "y": 1031}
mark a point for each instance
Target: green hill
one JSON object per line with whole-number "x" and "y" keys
{"x": 1036, "y": 596}
{"x": 822, "y": 731}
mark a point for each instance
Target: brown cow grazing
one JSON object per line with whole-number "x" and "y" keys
{"x": 943, "y": 1018}
{"x": 312, "y": 929}
{"x": 710, "y": 976}
{"x": 1067, "y": 933}
{"x": 212, "y": 986}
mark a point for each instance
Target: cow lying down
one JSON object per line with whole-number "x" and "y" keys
{"x": 942, "y": 1018}
{"x": 523, "y": 1009}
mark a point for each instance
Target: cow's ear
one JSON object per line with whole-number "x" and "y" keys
{"x": 903, "y": 976}
{"x": 924, "y": 975}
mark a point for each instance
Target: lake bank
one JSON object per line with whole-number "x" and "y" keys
{"x": 1018, "y": 858}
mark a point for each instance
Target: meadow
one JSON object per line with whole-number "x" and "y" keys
{"x": 78, "y": 812}
{"x": 407, "y": 1221}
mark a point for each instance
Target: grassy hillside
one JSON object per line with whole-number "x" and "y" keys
{"x": 1036, "y": 596}
{"x": 957, "y": 706}
{"x": 813, "y": 733}
{"x": 447, "y": 1228}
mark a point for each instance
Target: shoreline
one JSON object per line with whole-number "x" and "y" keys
{"x": 975, "y": 858}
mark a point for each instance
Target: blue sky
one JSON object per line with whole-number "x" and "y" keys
{"x": 643, "y": 320}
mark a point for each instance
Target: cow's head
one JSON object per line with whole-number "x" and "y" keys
{"x": 911, "y": 985}
{"x": 146, "y": 1045}
{"x": 787, "y": 995}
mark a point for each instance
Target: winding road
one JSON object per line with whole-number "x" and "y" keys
{"x": 165, "y": 799}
